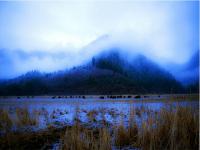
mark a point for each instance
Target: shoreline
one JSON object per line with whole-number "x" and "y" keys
{"x": 103, "y": 98}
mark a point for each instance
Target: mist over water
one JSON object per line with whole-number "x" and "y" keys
{"x": 50, "y": 36}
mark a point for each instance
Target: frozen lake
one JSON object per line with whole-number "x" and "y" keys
{"x": 61, "y": 111}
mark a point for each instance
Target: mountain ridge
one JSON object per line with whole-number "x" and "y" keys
{"x": 106, "y": 73}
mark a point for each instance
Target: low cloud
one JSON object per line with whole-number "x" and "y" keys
{"x": 49, "y": 36}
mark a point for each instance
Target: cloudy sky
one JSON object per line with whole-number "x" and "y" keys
{"x": 34, "y": 34}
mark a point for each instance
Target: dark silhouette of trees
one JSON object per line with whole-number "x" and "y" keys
{"x": 115, "y": 76}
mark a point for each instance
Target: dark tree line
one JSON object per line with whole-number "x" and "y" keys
{"x": 115, "y": 76}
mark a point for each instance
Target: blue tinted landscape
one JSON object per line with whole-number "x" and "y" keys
{"x": 99, "y": 75}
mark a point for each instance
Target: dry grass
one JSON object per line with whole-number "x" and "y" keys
{"x": 22, "y": 119}
{"x": 170, "y": 128}
{"x": 104, "y": 139}
{"x": 30, "y": 140}
{"x": 80, "y": 138}
{"x": 91, "y": 115}
{"x": 126, "y": 136}
{"x": 175, "y": 128}
{"x": 25, "y": 119}
{"x": 5, "y": 121}
{"x": 121, "y": 137}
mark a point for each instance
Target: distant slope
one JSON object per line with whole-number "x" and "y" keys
{"x": 187, "y": 74}
{"x": 193, "y": 63}
{"x": 191, "y": 74}
{"x": 107, "y": 73}
{"x": 191, "y": 69}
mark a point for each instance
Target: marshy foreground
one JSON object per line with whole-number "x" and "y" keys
{"x": 170, "y": 124}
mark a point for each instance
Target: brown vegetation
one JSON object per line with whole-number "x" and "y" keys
{"x": 5, "y": 121}
{"x": 80, "y": 138}
{"x": 171, "y": 127}
{"x": 25, "y": 119}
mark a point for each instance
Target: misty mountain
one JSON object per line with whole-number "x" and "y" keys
{"x": 18, "y": 62}
{"x": 187, "y": 73}
{"x": 192, "y": 69}
{"x": 193, "y": 63}
{"x": 190, "y": 75}
{"x": 107, "y": 73}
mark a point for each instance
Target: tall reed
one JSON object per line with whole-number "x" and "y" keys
{"x": 5, "y": 121}
{"x": 24, "y": 118}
